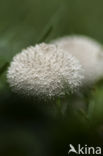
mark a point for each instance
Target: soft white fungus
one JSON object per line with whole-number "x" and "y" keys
{"x": 89, "y": 53}
{"x": 44, "y": 70}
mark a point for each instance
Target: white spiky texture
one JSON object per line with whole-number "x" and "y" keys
{"x": 89, "y": 53}
{"x": 44, "y": 71}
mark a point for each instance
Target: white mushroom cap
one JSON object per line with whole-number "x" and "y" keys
{"x": 44, "y": 71}
{"x": 88, "y": 52}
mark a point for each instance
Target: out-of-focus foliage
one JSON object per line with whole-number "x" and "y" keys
{"x": 58, "y": 123}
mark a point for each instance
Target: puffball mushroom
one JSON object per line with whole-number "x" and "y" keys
{"x": 44, "y": 70}
{"x": 88, "y": 52}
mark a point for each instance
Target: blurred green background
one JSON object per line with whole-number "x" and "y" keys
{"x": 32, "y": 128}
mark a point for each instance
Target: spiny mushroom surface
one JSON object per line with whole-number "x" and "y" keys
{"x": 44, "y": 70}
{"x": 88, "y": 51}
